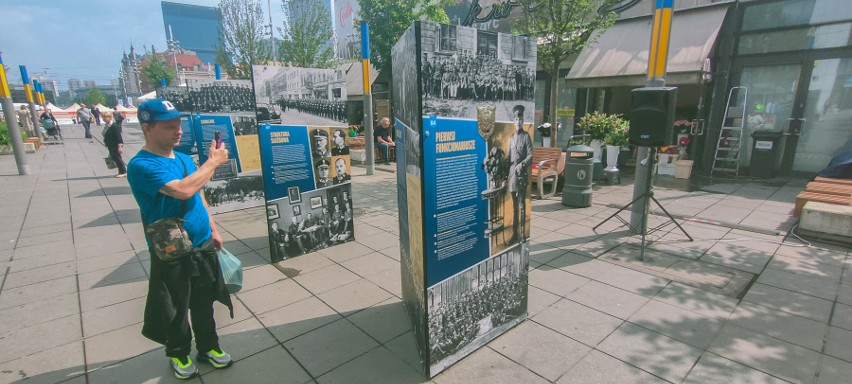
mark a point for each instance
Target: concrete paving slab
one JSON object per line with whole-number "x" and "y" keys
{"x": 353, "y": 249}
{"x": 838, "y": 343}
{"x": 542, "y": 350}
{"x": 260, "y": 276}
{"x": 151, "y": 367}
{"x": 598, "y": 367}
{"x": 842, "y": 316}
{"x": 487, "y": 366}
{"x": 538, "y": 300}
{"x": 653, "y": 352}
{"x": 556, "y": 281}
{"x": 737, "y": 257}
{"x": 712, "y": 368}
{"x": 618, "y": 276}
{"x": 14, "y": 297}
{"x": 792, "y": 302}
{"x": 809, "y": 268}
{"x": 405, "y": 348}
{"x": 384, "y": 321}
{"x": 370, "y": 263}
{"x": 38, "y": 312}
{"x": 326, "y": 279}
{"x": 120, "y": 315}
{"x": 608, "y": 299}
{"x": 118, "y": 345}
{"x": 39, "y": 337}
{"x": 377, "y": 366}
{"x": 688, "y": 327}
{"x": 242, "y": 340}
{"x": 818, "y": 287}
{"x": 354, "y": 297}
{"x": 41, "y": 274}
{"x": 833, "y": 370}
{"x": 109, "y": 295}
{"x": 772, "y": 356}
{"x": 54, "y": 365}
{"x": 329, "y": 347}
{"x": 273, "y": 296}
{"x": 389, "y": 280}
{"x": 303, "y": 264}
{"x": 132, "y": 271}
{"x": 780, "y": 325}
{"x": 299, "y": 318}
{"x": 578, "y": 322}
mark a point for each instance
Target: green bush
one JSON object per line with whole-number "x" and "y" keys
{"x": 4, "y": 135}
{"x": 600, "y": 125}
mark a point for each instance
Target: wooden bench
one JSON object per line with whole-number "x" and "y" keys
{"x": 804, "y": 197}
{"x": 833, "y": 180}
{"x": 35, "y": 140}
{"x": 829, "y": 188}
{"x": 548, "y": 164}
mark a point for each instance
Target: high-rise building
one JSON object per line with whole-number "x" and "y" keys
{"x": 74, "y": 84}
{"x": 346, "y": 37}
{"x": 89, "y": 84}
{"x": 193, "y": 27}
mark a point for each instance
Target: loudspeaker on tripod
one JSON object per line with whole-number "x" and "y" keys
{"x": 652, "y": 112}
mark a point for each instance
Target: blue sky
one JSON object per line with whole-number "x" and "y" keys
{"x": 84, "y": 39}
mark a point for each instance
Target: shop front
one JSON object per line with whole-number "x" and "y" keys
{"x": 794, "y": 58}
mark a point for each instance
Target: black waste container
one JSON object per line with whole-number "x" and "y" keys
{"x": 579, "y": 168}
{"x": 765, "y": 153}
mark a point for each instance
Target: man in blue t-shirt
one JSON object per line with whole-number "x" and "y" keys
{"x": 167, "y": 184}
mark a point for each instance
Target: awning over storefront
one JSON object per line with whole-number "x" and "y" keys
{"x": 620, "y": 56}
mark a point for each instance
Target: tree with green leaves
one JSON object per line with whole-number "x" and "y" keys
{"x": 242, "y": 40}
{"x": 94, "y": 97}
{"x": 307, "y": 34}
{"x": 388, "y": 19}
{"x": 158, "y": 69}
{"x": 563, "y": 28}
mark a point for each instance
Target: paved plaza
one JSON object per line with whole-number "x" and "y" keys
{"x": 746, "y": 305}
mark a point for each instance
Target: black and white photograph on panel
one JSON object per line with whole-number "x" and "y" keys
{"x": 316, "y": 220}
{"x": 301, "y": 96}
{"x": 472, "y": 307}
{"x": 463, "y": 67}
{"x": 405, "y": 79}
{"x": 235, "y": 193}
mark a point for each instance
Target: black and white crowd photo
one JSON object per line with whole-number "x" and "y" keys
{"x": 462, "y": 68}
{"x": 466, "y": 310}
{"x": 319, "y": 219}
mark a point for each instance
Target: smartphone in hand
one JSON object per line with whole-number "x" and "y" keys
{"x": 218, "y": 138}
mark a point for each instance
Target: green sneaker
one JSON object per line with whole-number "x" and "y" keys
{"x": 216, "y": 357}
{"x": 184, "y": 367}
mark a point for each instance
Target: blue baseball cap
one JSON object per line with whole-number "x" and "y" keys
{"x": 158, "y": 110}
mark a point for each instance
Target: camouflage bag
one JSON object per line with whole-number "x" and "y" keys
{"x": 169, "y": 239}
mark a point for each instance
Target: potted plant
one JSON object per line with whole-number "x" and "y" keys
{"x": 615, "y": 138}
{"x": 597, "y": 125}
{"x": 545, "y": 132}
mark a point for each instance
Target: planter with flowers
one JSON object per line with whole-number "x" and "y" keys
{"x": 615, "y": 140}
{"x": 683, "y": 166}
{"x": 598, "y": 125}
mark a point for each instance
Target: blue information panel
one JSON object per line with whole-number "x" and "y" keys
{"x": 285, "y": 153}
{"x": 455, "y": 214}
{"x": 187, "y": 140}
{"x": 308, "y": 188}
{"x": 207, "y": 126}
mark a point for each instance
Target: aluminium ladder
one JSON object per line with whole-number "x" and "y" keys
{"x": 726, "y": 160}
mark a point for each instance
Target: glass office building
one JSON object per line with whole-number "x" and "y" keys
{"x": 194, "y": 27}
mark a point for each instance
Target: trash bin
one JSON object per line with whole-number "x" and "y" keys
{"x": 764, "y": 153}
{"x": 579, "y": 168}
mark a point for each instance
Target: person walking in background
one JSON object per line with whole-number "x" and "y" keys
{"x": 96, "y": 114}
{"x": 114, "y": 142}
{"x": 167, "y": 184}
{"x": 24, "y": 120}
{"x": 84, "y": 116}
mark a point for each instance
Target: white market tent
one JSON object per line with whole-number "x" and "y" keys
{"x": 54, "y": 108}
{"x": 148, "y": 96}
{"x": 73, "y": 108}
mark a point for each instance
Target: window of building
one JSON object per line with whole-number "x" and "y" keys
{"x": 448, "y": 37}
{"x": 789, "y": 13}
{"x": 486, "y": 43}
{"x": 824, "y": 36}
{"x": 335, "y": 93}
{"x": 519, "y": 47}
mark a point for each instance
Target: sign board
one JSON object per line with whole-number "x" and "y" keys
{"x": 464, "y": 157}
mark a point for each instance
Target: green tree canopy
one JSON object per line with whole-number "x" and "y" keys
{"x": 241, "y": 37}
{"x": 388, "y": 19}
{"x": 156, "y": 70}
{"x": 307, "y": 33}
{"x": 563, "y": 28}
{"x": 94, "y": 97}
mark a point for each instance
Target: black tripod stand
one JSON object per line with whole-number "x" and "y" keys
{"x": 647, "y": 196}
